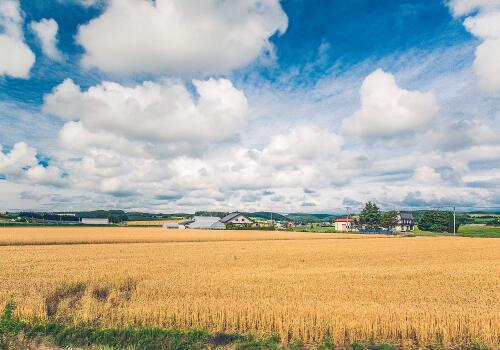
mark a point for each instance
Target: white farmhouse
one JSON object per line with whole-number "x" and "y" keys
{"x": 237, "y": 219}
{"x": 344, "y": 224}
{"x": 405, "y": 222}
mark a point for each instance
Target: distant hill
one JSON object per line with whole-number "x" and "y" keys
{"x": 310, "y": 218}
{"x": 219, "y": 214}
{"x": 266, "y": 215}
{"x": 114, "y": 216}
{"x": 138, "y": 216}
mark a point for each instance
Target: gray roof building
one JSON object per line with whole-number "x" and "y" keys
{"x": 405, "y": 221}
{"x": 406, "y": 215}
{"x": 206, "y": 222}
{"x": 236, "y": 218}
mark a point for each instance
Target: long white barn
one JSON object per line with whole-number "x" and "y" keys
{"x": 94, "y": 221}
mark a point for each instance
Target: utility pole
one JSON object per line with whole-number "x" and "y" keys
{"x": 347, "y": 223}
{"x": 454, "y": 222}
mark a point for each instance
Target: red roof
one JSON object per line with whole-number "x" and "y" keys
{"x": 345, "y": 220}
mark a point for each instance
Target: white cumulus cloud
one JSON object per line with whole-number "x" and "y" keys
{"x": 16, "y": 58}
{"x": 164, "y": 117}
{"x": 426, "y": 175}
{"x": 19, "y": 157}
{"x": 463, "y": 7}
{"x": 484, "y": 23}
{"x": 487, "y": 64}
{"x": 180, "y": 36}
{"x": 300, "y": 145}
{"x": 46, "y": 32}
{"x": 20, "y": 164}
{"x": 40, "y": 175}
{"x": 388, "y": 110}
{"x": 305, "y": 156}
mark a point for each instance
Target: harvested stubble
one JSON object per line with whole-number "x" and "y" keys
{"x": 87, "y": 235}
{"x": 410, "y": 291}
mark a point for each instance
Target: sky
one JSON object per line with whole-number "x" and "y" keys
{"x": 290, "y": 106}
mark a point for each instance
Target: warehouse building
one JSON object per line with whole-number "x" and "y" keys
{"x": 94, "y": 221}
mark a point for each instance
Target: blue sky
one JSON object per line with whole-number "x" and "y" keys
{"x": 365, "y": 30}
{"x": 351, "y": 32}
{"x": 286, "y": 106}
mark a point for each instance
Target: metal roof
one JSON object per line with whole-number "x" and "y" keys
{"x": 230, "y": 217}
{"x": 345, "y": 220}
{"x": 203, "y": 221}
{"x": 406, "y": 215}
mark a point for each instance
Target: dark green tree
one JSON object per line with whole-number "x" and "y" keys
{"x": 389, "y": 220}
{"x": 370, "y": 216}
{"x": 437, "y": 221}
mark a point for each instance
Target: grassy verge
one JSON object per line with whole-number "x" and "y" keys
{"x": 21, "y": 334}
{"x": 464, "y": 231}
{"x": 479, "y": 231}
{"x": 316, "y": 229}
{"x": 467, "y": 231}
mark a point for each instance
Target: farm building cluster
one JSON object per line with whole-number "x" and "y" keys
{"x": 237, "y": 220}
{"x": 400, "y": 221}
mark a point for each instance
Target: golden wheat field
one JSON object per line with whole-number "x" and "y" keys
{"x": 419, "y": 291}
{"x": 100, "y": 235}
{"x": 151, "y": 222}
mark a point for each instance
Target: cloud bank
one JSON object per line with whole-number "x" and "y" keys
{"x": 150, "y": 118}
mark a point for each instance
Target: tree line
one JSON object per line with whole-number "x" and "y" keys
{"x": 373, "y": 218}
{"x": 114, "y": 216}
